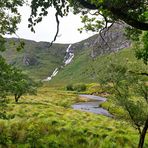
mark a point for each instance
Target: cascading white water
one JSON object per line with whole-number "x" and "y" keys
{"x": 67, "y": 50}
{"x": 67, "y": 60}
{"x": 53, "y": 75}
{"x": 69, "y": 55}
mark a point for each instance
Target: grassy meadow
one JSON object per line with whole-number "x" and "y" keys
{"x": 47, "y": 120}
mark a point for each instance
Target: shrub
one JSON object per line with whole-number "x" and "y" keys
{"x": 79, "y": 87}
{"x": 69, "y": 87}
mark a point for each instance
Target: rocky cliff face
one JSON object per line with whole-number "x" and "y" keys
{"x": 111, "y": 40}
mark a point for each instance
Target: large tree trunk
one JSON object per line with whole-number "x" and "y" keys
{"x": 143, "y": 134}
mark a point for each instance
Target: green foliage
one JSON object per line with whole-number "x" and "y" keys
{"x": 69, "y": 87}
{"x": 131, "y": 12}
{"x": 36, "y": 16}
{"x": 94, "y": 88}
{"x": 142, "y": 48}
{"x": 130, "y": 91}
{"x": 2, "y": 43}
{"x": 8, "y": 25}
{"x": 13, "y": 81}
{"x": 4, "y": 73}
{"x": 21, "y": 84}
{"x": 132, "y": 34}
{"x": 79, "y": 87}
{"x": 9, "y": 22}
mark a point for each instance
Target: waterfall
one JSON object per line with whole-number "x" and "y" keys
{"x": 67, "y": 60}
{"x": 69, "y": 55}
{"x": 53, "y": 75}
{"x": 67, "y": 50}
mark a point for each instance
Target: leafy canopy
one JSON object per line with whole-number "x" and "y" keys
{"x": 132, "y": 12}
{"x": 9, "y": 16}
{"x": 97, "y": 15}
{"x": 9, "y": 19}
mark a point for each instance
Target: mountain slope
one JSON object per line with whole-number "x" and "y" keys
{"x": 36, "y": 59}
{"x": 84, "y": 69}
{"x": 90, "y": 56}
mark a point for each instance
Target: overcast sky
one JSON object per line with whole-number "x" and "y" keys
{"x": 46, "y": 30}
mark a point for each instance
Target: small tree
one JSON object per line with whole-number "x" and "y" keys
{"x": 131, "y": 93}
{"x": 20, "y": 84}
{"x": 13, "y": 81}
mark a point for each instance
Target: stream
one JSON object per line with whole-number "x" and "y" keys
{"x": 92, "y": 105}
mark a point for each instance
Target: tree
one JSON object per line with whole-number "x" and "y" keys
{"x": 132, "y": 12}
{"x": 9, "y": 19}
{"x": 130, "y": 91}
{"x": 13, "y": 81}
{"x": 9, "y": 16}
{"x": 20, "y": 84}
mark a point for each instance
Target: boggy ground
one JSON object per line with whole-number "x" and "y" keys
{"x": 47, "y": 120}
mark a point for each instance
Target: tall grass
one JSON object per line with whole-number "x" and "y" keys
{"x": 47, "y": 120}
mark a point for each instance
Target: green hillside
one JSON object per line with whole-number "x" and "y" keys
{"x": 36, "y": 59}
{"x": 85, "y": 69}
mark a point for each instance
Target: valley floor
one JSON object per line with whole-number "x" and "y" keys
{"x": 47, "y": 120}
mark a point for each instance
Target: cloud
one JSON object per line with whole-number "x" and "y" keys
{"x": 46, "y": 30}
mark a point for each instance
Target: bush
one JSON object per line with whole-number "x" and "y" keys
{"x": 69, "y": 87}
{"x": 79, "y": 87}
{"x": 76, "y": 87}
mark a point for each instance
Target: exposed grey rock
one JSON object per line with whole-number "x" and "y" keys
{"x": 86, "y": 44}
{"x": 29, "y": 61}
{"x": 111, "y": 40}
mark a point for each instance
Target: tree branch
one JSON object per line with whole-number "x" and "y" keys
{"x": 129, "y": 19}
{"x": 118, "y": 13}
{"x": 58, "y": 24}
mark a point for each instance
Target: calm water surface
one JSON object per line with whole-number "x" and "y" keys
{"x": 92, "y": 106}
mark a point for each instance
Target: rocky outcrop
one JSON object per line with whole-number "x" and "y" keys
{"x": 29, "y": 61}
{"x": 111, "y": 40}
